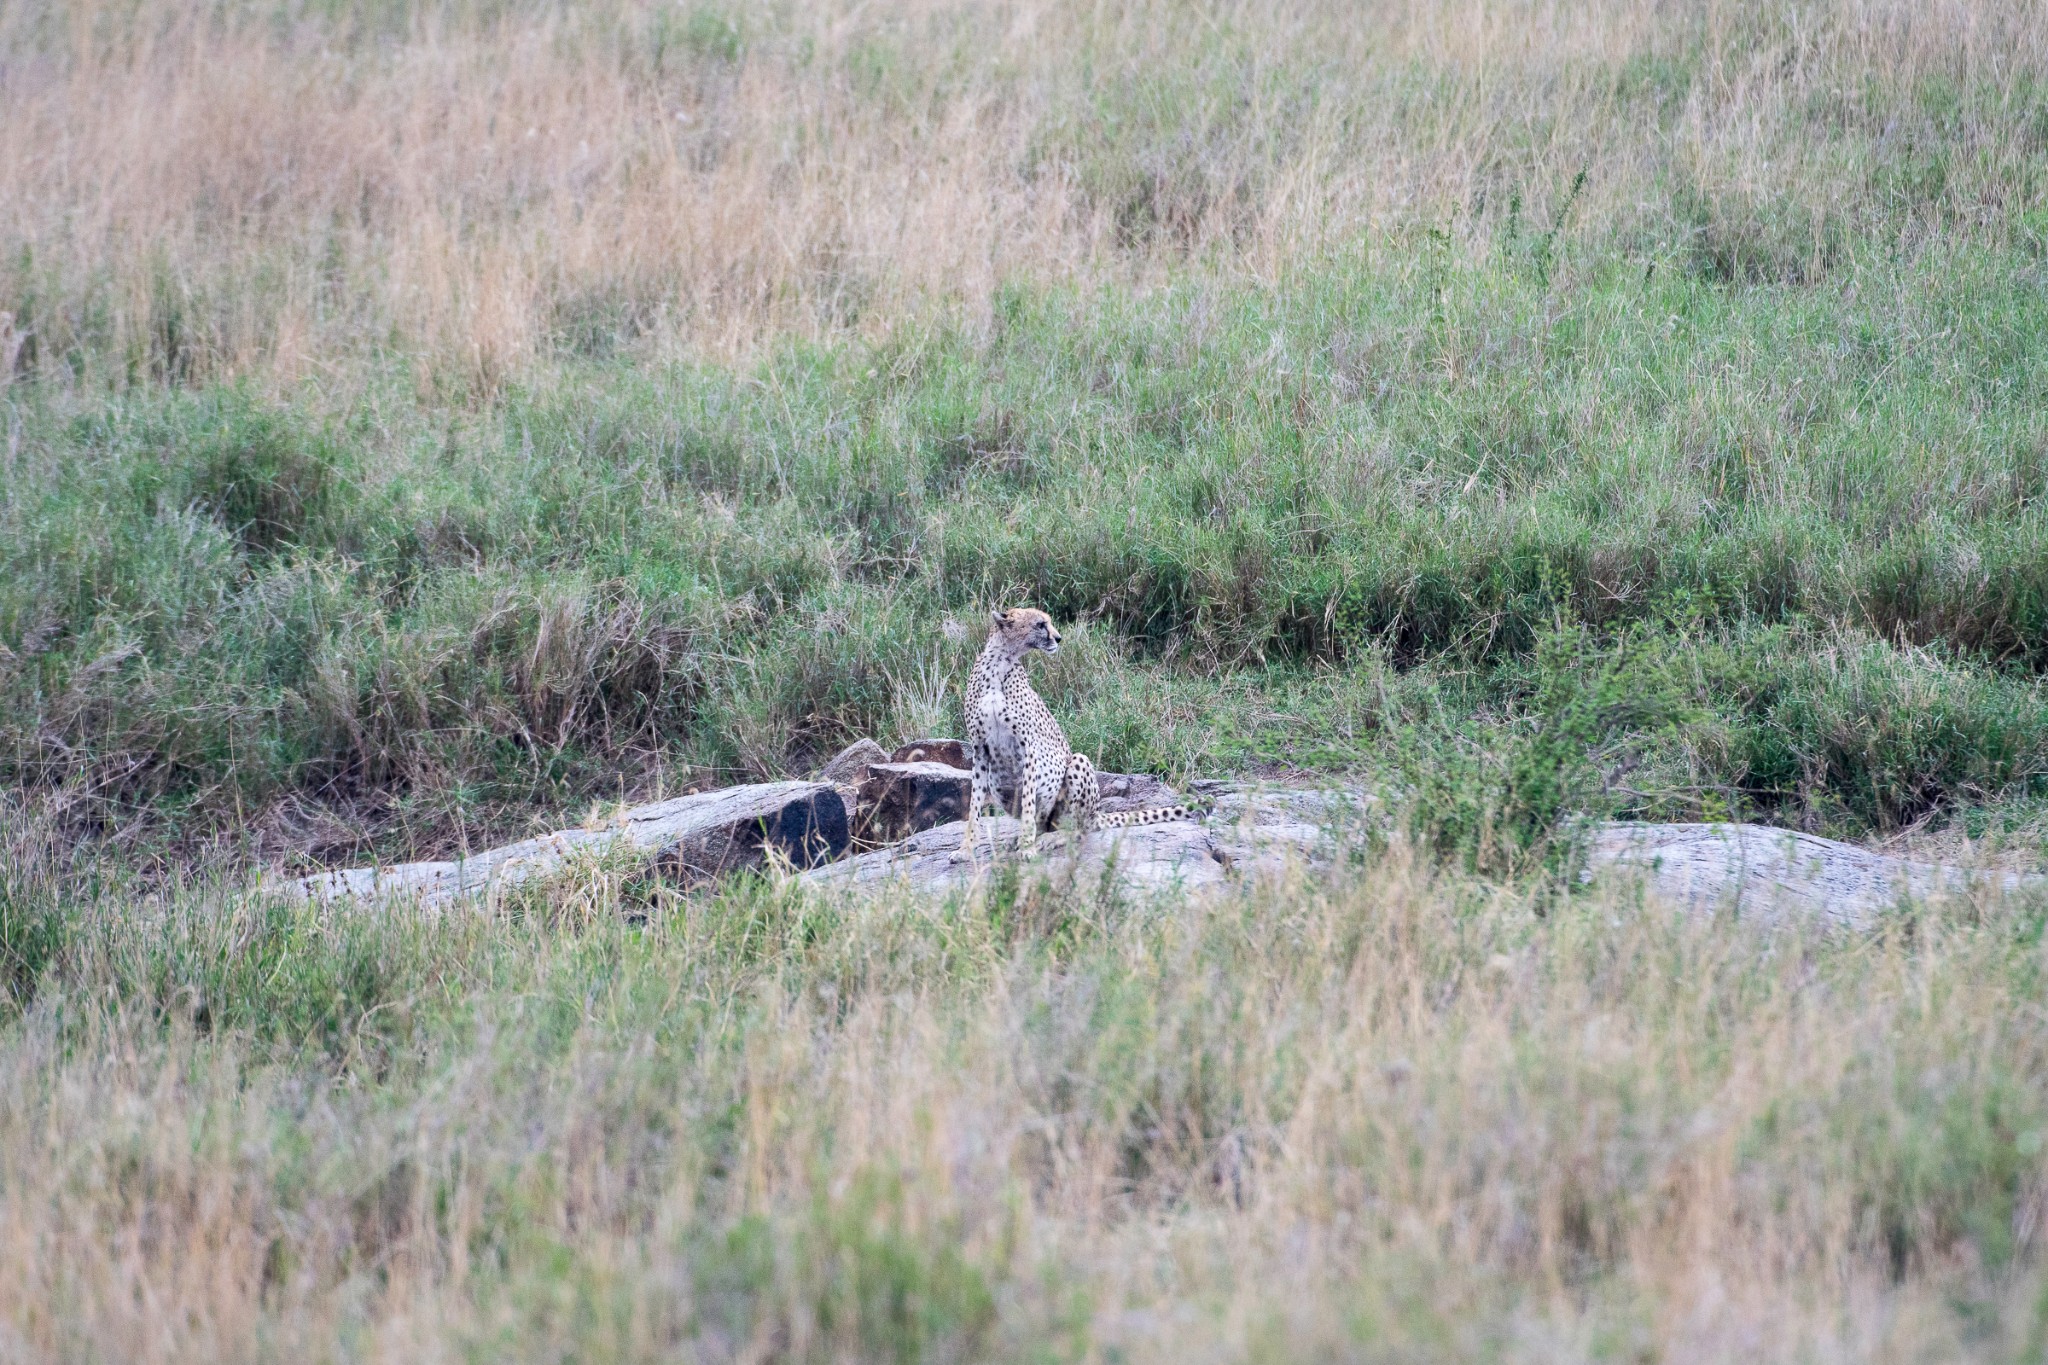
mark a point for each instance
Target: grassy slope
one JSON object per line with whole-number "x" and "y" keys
{"x": 398, "y": 473}
{"x": 380, "y": 476}
{"x": 1294, "y": 518}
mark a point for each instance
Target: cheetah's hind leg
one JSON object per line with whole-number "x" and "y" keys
{"x": 1080, "y": 795}
{"x": 1028, "y": 814}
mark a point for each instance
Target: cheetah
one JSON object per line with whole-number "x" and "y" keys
{"x": 1013, "y": 741}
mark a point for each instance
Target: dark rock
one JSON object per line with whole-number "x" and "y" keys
{"x": 900, "y": 799}
{"x": 810, "y": 829}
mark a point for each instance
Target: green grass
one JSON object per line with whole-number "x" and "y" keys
{"x": 1295, "y": 520}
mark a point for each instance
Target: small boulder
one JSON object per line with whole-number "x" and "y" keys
{"x": 849, "y": 767}
{"x": 950, "y": 752}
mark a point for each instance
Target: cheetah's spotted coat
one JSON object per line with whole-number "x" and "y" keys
{"x": 1013, "y": 740}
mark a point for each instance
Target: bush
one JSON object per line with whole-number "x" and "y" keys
{"x": 1846, "y": 732}
{"x": 1576, "y": 723}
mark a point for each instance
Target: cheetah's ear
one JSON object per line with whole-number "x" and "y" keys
{"x": 1000, "y": 616}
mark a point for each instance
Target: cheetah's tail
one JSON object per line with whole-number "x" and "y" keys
{"x": 1123, "y": 818}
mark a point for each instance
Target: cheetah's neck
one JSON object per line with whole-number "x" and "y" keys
{"x": 994, "y": 667}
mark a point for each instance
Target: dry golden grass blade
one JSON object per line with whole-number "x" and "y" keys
{"x": 218, "y": 190}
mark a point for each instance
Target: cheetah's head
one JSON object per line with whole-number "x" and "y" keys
{"x": 1022, "y": 629}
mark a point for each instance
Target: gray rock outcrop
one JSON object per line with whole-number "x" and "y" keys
{"x": 1246, "y": 833}
{"x": 1779, "y": 874}
{"x": 912, "y": 809}
{"x": 690, "y": 837}
{"x": 1181, "y": 855}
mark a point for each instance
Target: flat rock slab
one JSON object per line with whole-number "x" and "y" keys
{"x": 1178, "y": 855}
{"x": 1779, "y": 874}
{"x": 1264, "y": 829}
{"x": 1248, "y": 832}
{"x": 1133, "y": 791}
{"x": 692, "y": 837}
{"x": 1776, "y": 875}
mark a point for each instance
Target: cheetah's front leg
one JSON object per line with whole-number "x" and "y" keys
{"x": 1028, "y": 793}
{"x": 984, "y": 792}
{"x": 981, "y": 795}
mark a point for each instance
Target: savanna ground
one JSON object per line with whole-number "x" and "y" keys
{"x": 426, "y": 422}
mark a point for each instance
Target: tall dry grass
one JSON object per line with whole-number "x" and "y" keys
{"x": 1381, "y": 1115}
{"x": 195, "y": 190}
